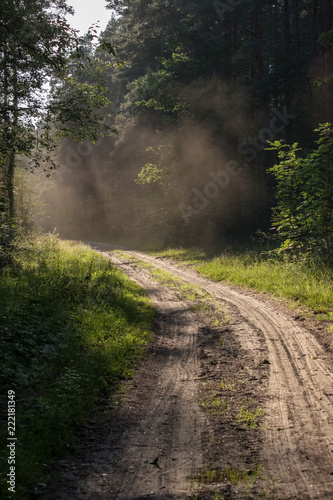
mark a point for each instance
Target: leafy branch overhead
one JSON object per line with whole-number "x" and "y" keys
{"x": 39, "y": 53}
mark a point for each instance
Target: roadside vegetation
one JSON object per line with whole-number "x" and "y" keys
{"x": 72, "y": 326}
{"x": 299, "y": 268}
{"x": 303, "y": 283}
{"x": 185, "y": 290}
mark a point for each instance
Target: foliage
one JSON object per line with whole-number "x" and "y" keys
{"x": 161, "y": 92}
{"x": 7, "y": 240}
{"x": 327, "y": 39}
{"x": 37, "y": 44}
{"x": 74, "y": 108}
{"x": 71, "y": 326}
{"x": 35, "y": 41}
{"x": 249, "y": 418}
{"x": 303, "y": 218}
{"x": 149, "y": 174}
{"x": 200, "y": 87}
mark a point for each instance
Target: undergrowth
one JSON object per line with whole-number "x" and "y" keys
{"x": 71, "y": 327}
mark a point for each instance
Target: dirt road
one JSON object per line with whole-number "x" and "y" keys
{"x": 220, "y": 408}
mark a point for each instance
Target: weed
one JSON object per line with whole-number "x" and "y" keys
{"x": 213, "y": 404}
{"x": 228, "y": 386}
{"x": 249, "y": 418}
{"x": 235, "y": 475}
{"x": 210, "y": 475}
{"x": 229, "y": 474}
{"x": 216, "y": 313}
{"x": 268, "y": 494}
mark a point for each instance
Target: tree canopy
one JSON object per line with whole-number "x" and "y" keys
{"x": 202, "y": 90}
{"x": 36, "y": 46}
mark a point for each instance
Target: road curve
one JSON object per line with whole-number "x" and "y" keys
{"x": 298, "y": 426}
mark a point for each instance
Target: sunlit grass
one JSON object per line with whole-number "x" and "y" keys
{"x": 185, "y": 255}
{"x": 249, "y": 418}
{"x": 304, "y": 283}
{"x": 230, "y": 474}
{"x": 185, "y": 290}
{"x": 71, "y": 326}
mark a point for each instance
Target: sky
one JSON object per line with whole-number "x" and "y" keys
{"x": 88, "y": 12}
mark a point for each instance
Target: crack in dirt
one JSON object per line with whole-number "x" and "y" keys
{"x": 180, "y": 420}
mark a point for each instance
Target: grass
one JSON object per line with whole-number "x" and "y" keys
{"x": 214, "y": 405}
{"x": 228, "y": 385}
{"x": 249, "y": 418}
{"x": 203, "y": 303}
{"x": 185, "y": 290}
{"x": 305, "y": 284}
{"x": 242, "y": 479}
{"x": 213, "y": 311}
{"x": 71, "y": 327}
{"x": 229, "y": 474}
{"x": 212, "y": 401}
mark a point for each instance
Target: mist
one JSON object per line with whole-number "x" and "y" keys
{"x": 201, "y": 191}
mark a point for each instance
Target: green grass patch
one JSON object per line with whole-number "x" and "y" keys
{"x": 229, "y": 474}
{"x": 213, "y": 403}
{"x": 185, "y": 290}
{"x": 133, "y": 260}
{"x": 249, "y": 418}
{"x": 71, "y": 327}
{"x": 210, "y": 309}
{"x": 246, "y": 481}
{"x": 203, "y": 303}
{"x": 228, "y": 385}
{"x": 308, "y": 284}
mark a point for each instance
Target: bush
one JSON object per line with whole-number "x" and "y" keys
{"x": 303, "y": 217}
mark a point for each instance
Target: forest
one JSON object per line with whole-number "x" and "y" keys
{"x": 200, "y": 133}
{"x": 158, "y": 132}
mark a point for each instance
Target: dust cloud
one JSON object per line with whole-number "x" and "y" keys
{"x": 160, "y": 183}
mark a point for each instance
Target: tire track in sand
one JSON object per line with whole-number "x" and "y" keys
{"x": 298, "y": 426}
{"x": 171, "y": 430}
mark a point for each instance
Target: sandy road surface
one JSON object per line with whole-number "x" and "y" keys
{"x": 153, "y": 445}
{"x": 300, "y": 390}
{"x": 170, "y": 427}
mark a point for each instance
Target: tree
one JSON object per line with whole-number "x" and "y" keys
{"x": 201, "y": 84}
{"x": 36, "y": 43}
{"x": 32, "y": 44}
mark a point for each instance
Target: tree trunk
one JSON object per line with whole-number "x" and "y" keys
{"x": 315, "y": 33}
{"x": 297, "y": 34}
{"x": 287, "y": 50}
{"x": 258, "y": 35}
{"x": 11, "y": 122}
{"x": 328, "y": 87}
